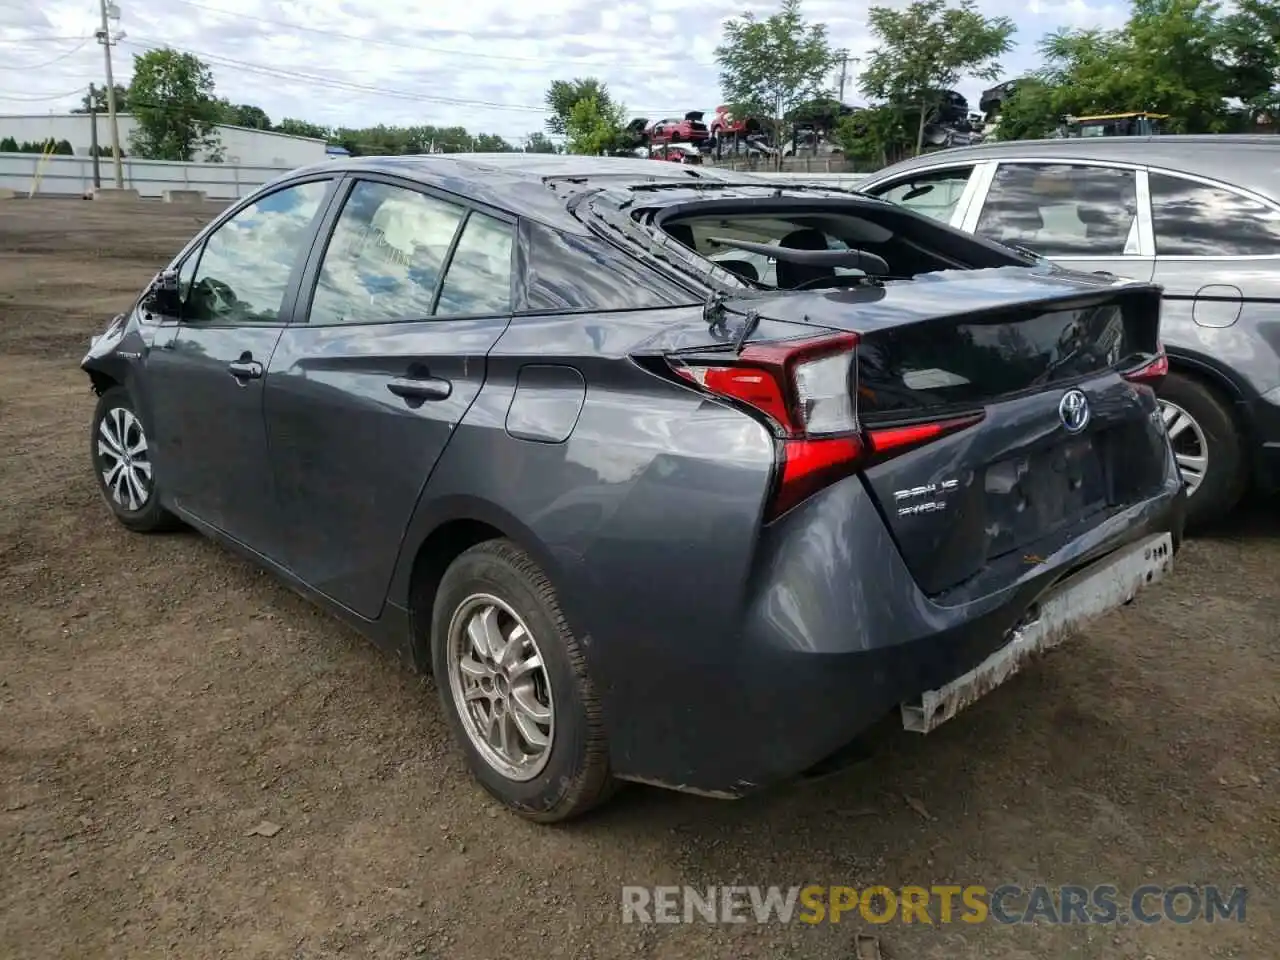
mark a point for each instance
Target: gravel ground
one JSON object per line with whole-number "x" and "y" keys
{"x": 160, "y": 697}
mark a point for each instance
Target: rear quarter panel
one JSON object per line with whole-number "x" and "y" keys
{"x": 645, "y": 518}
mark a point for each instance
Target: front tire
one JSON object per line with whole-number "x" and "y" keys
{"x": 513, "y": 683}
{"x": 121, "y": 455}
{"x": 1208, "y": 446}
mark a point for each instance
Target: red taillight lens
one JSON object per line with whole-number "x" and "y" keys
{"x": 805, "y": 389}
{"x": 1151, "y": 373}
{"x": 802, "y": 386}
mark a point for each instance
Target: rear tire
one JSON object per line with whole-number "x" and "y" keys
{"x": 121, "y": 455}
{"x": 513, "y": 683}
{"x": 1208, "y": 444}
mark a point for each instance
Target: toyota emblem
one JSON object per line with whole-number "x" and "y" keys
{"x": 1073, "y": 408}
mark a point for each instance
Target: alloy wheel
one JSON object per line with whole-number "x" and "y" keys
{"x": 124, "y": 459}
{"x": 1190, "y": 447}
{"x": 500, "y": 687}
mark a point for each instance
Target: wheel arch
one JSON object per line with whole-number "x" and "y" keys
{"x": 1221, "y": 381}
{"x": 438, "y": 538}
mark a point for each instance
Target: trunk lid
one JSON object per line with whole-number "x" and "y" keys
{"x": 1035, "y": 361}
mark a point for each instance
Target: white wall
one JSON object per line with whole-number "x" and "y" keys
{"x": 73, "y": 176}
{"x": 239, "y": 144}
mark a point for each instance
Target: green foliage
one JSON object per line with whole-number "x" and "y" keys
{"x": 63, "y": 148}
{"x": 303, "y": 128}
{"x": 8, "y": 145}
{"x": 244, "y": 115}
{"x": 594, "y": 128}
{"x": 100, "y": 100}
{"x": 772, "y": 66}
{"x": 171, "y": 99}
{"x": 563, "y": 95}
{"x": 539, "y": 143}
{"x": 876, "y": 135}
{"x": 1184, "y": 58}
{"x": 1030, "y": 112}
{"x": 925, "y": 48}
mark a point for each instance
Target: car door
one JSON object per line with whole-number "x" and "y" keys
{"x": 942, "y": 193}
{"x": 204, "y": 371}
{"x": 1084, "y": 215}
{"x": 385, "y": 356}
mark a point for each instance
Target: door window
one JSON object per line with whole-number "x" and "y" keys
{"x": 479, "y": 277}
{"x": 1062, "y": 209}
{"x": 385, "y": 257}
{"x": 935, "y": 194}
{"x": 244, "y": 268}
{"x": 1193, "y": 219}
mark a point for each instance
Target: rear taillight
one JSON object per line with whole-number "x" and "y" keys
{"x": 1152, "y": 372}
{"x": 804, "y": 390}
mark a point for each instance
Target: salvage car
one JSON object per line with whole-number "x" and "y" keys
{"x": 1198, "y": 215}
{"x": 644, "y": 515}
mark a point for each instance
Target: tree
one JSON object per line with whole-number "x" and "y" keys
{"x": 245, "y": 115}
{"x": 539, "y": 142}
{"x": 563, "y": 95}
{"x": 924, "y": 50}
{"x": 491, "y": 143}
{"x": 100, "y": 100}
{"x": 171, "y": 99}
{"x": 876, "y": 135}
{"x": 772, "y": 66}
{"x": 303, "y": 128}
{"x": 8, "y": 145}
{"x": 1030, "y": 111}
{"x": 593, "y": 128}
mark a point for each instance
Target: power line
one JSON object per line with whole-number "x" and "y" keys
{"x": 43, "y": 98}
{"x": 148, "y": 43}
{"x": 422, "y": 48}
{"x": 42, "y": 39}
{"x": 40, "y": 66}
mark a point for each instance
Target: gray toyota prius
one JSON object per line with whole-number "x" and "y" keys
{"x": 666, "y": 475}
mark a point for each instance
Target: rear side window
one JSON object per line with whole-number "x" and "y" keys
{"x": 478, "y": 280}
{"x": 1193, "y": 219}
{"x": 385, "y": 257}
{"x": 566, "y": 271}
{"x": 1063, "y": 209}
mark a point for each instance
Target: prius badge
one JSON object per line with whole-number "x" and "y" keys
{"x": 1073, "y": 408}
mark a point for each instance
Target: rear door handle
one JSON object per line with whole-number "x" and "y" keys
{"x": 420, "y": 388}
{"x": 245, "y": 369}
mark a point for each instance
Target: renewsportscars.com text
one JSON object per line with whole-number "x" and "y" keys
{"x": 936, "y": 904}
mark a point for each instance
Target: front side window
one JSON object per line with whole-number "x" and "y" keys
{"x": 1193, "y": 219}
{"x": 478, "y": 280}
{"x": 1062, "y": 209}
{"x": 244, "y": 269}
{"x": 385, "y": 257}
{"x": 935, "y": 194}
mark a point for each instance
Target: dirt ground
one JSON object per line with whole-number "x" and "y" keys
{"x": 159, "y": 698}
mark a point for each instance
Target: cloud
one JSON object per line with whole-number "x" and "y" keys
{"x": 482, "y": 64}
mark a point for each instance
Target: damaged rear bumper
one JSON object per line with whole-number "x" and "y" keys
{"x": 1086, "y": 595}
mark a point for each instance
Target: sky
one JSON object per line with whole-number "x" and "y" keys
{"x": 482, "y": 64}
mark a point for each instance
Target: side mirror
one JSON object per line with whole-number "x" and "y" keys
{"x": 163, "y": 297}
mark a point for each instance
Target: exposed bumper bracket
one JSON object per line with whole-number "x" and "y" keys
{"x": 1111, "y": 582}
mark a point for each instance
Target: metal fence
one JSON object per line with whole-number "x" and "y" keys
{"x": 73, "y": 176}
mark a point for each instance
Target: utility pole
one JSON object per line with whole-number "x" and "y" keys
{"x": 104, "y": 38}
{"x": 844, "y": 67}
{"x": 93, "y": 138}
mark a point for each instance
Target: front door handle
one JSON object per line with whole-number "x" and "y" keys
{"x": 420, "y": 388}
{"x": 245, "y": 369}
